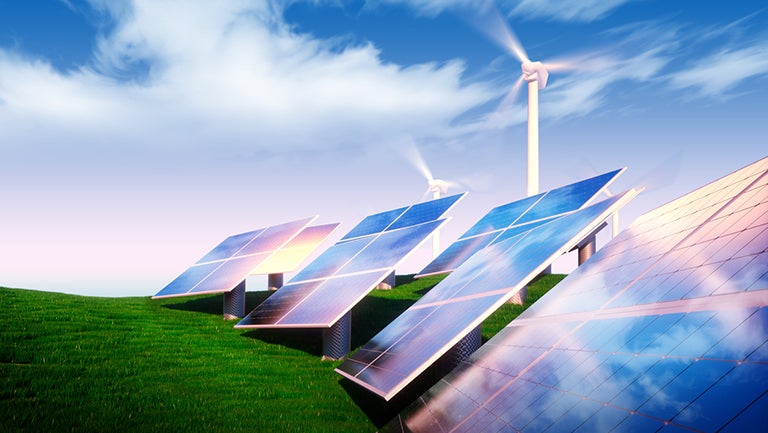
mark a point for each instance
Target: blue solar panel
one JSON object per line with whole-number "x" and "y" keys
{"x": 350, "y": 269}
{"x": 230, "y": 262}
{"x": 459, "y": 303}
{"x": 664, "y": 329}
{"x": 504, "y": 221}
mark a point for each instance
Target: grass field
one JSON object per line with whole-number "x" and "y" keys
{"x": 73, "y": 363}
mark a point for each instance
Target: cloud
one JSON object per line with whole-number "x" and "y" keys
{"x": 186, "y": 74}
{"x": 720, "y": 72}
{"x": 575, "y": 10}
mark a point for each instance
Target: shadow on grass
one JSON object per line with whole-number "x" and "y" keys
{"x": 214, "y": 304}
{"x": 309, "y": 341}
{"x": 380, "y": 411}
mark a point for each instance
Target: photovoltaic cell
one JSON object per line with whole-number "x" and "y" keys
{"x": 230, "y": 262}
{"x": 327, "y": 288}
{"x": 459, "y": 303}
{"x": 522, "y": 215}
{"x": 663, "y": 329}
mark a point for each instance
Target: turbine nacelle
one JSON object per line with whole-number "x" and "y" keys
{"x": 439, "y": 186}
{"x": 535, "y": 71}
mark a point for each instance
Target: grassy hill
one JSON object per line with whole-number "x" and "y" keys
{"x": 74, "y": 363}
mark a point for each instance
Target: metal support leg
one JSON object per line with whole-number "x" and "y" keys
{"x": 274, "y": 281}
{"x": 234, "y": 302}
{"x": 337, "y": 339}
{"x": 586, "y": 249}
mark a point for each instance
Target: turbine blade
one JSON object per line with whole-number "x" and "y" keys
{"x": 490, "y": 22}
{"x": 412, "y": 155}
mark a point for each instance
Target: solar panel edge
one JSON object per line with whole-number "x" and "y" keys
{"x": 620, "y": 200}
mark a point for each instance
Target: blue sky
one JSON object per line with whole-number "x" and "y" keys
{"x": 135, "y": 135}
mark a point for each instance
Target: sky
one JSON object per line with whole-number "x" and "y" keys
{"x": 136, "y": 135}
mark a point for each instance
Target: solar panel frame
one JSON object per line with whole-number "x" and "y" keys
{"x": 477, "y": 288}
{"x": 693, "y": 360}
{"x": 534, "y": 210}
{"x": 363, "y": 258}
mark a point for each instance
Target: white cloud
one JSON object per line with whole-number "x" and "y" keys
{"x": 573, "y": 10}
{"x": 230, "y": 73}
{"x": 720, "y": 72}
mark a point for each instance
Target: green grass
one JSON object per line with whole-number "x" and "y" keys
{"x": 73, "y": 363}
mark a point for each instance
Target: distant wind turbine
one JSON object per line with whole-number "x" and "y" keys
{"x": 437, "y": 187}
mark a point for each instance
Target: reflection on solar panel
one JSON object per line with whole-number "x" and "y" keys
{"x": 326, "y": 289}
{"x": 230, "y": 262}
{"x": 664, "y": 329}
{"x": 459, "y": 303}
{"x": 517, "y": 217}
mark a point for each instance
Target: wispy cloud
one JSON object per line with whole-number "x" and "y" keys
{"x": 578, "y": 11}
{"x": 718, "y": 73}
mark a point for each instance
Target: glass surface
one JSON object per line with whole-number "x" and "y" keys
{"x": 230, "y": 246}
{"x": 457, "y": 253}
{"x": 657, "y": 332}
{"x": 332, "y": 299}
{"x": 568, "y": 198}
{"x": 233, "y": 260}
{"x": 374, "y": 223}
{"x": 390, "y": 248}
{"x": 279, "y": 303}
{"x": 350, "y": 269}
{"x": 185, "y": 282}
{"x": 272, "y": 238}
{"x": 333, "y": 259}
{"x": 464, "y": 298}
{"x": 517, "y": 217}
{"x": 426, "y": 211}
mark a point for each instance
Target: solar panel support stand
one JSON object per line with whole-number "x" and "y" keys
{"x": 462, "y": 350}
{"x": 586, "y": 248}
{"x": 519, "y": 297}
{"x": 234, "y": 302}
{"x": 337, "y": 339}
{"x": 388, "y": 283}
{"x": 274, "y": 281}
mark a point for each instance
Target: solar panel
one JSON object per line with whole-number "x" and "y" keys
{"x": 327, "y": 289}
{"x": 522, "y": 215}
{"x": 664, "y": 329}
{"x": 459, "y": 303}
{"x": 230, "y": 262}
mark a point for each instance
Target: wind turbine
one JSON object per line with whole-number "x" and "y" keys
{"x": 534, "y": 73}
{"x": 437, "y": 187}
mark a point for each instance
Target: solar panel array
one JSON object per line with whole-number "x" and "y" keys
{"x": 230, "y": 262}
{"x": 517, "y": 217}
{"x": 326, "y": 289}
{"x": 459, "y": 303}
{"x": 664, "y": 329}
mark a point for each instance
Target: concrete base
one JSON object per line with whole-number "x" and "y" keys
{"x": 234, "y": 302}
{"x": 274, "y": 281}
{"x": 337, "y": 339}
{"x": 388, "y": 282}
